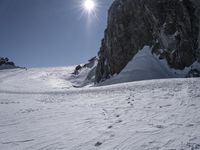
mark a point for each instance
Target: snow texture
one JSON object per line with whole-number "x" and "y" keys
{"x": 41, "y": 110}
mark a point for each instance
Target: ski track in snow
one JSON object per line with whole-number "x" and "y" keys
{"x": 39, "y": 113}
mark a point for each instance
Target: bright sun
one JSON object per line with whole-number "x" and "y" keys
{"x": 89, "y": 5}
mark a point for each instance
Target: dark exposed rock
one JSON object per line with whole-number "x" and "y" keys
{"x": 171, "y": 25}
{"x": 91, "y": 63}
{"x": 77, "y": 69}
{"x": 11, "y": 63}
{"x": 193, "y": 73}
{"x": 5, "y": 61}
{"x": 198, "y": 55}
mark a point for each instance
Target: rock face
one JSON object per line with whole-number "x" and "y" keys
{"x": 170, "y": 27}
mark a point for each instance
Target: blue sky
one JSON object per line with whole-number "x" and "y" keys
{"x": 44, "y": 33}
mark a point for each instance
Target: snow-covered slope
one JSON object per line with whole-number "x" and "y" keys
{"x": 44, "y": 79}
{"x": 147, "y": 66}
{"x": 41, "y": 110}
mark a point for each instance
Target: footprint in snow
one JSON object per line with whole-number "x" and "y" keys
{"x": 192, "y": 105}
{"x": 112, "y": 135}
{"x": 128, "y": 98}
{"x": 119, "y": 121}
{"x": 160, "y": 126}
{"x": 117, "y": 116}
{"x": 97, "y": 144}
{"x": 189, "y": 125}
{"x": 130, "y": 103}
{"x": 109, "y": 127}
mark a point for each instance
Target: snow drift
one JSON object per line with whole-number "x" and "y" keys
{"x": 147, "y": 66}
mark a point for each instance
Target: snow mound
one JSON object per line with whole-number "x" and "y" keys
{"x": 146, "y": 66}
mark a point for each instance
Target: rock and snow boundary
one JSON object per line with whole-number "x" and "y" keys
{"x": 147, "y": 66}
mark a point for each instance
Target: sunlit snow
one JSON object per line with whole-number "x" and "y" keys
{"x": 41, "y": 110}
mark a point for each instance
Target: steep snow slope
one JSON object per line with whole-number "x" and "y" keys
{"x": 147, "y": 66}
{"x": 40, "y": 110}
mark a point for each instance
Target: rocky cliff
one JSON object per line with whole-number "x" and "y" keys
{"x": 169, "y": 27}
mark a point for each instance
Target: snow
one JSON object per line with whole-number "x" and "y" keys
{"x": 146, "y": 66}
{"x": 41, "y": 110}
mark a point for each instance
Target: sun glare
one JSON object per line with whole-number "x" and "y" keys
{"x": 89, "y": 5}
{"x": 89, "y": 9}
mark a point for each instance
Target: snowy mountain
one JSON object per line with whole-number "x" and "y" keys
{"x": 97, "y": 106}
{"x": 169, "y": 27}
{"x": 40, "y": 109}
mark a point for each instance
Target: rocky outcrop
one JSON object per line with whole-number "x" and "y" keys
{"x": 169, "y": 27}
{"x": 91, "y": 64}
{"x": 5, "y": 63}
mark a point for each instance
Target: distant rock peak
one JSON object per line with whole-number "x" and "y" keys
{"x": 5, "y": 63}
